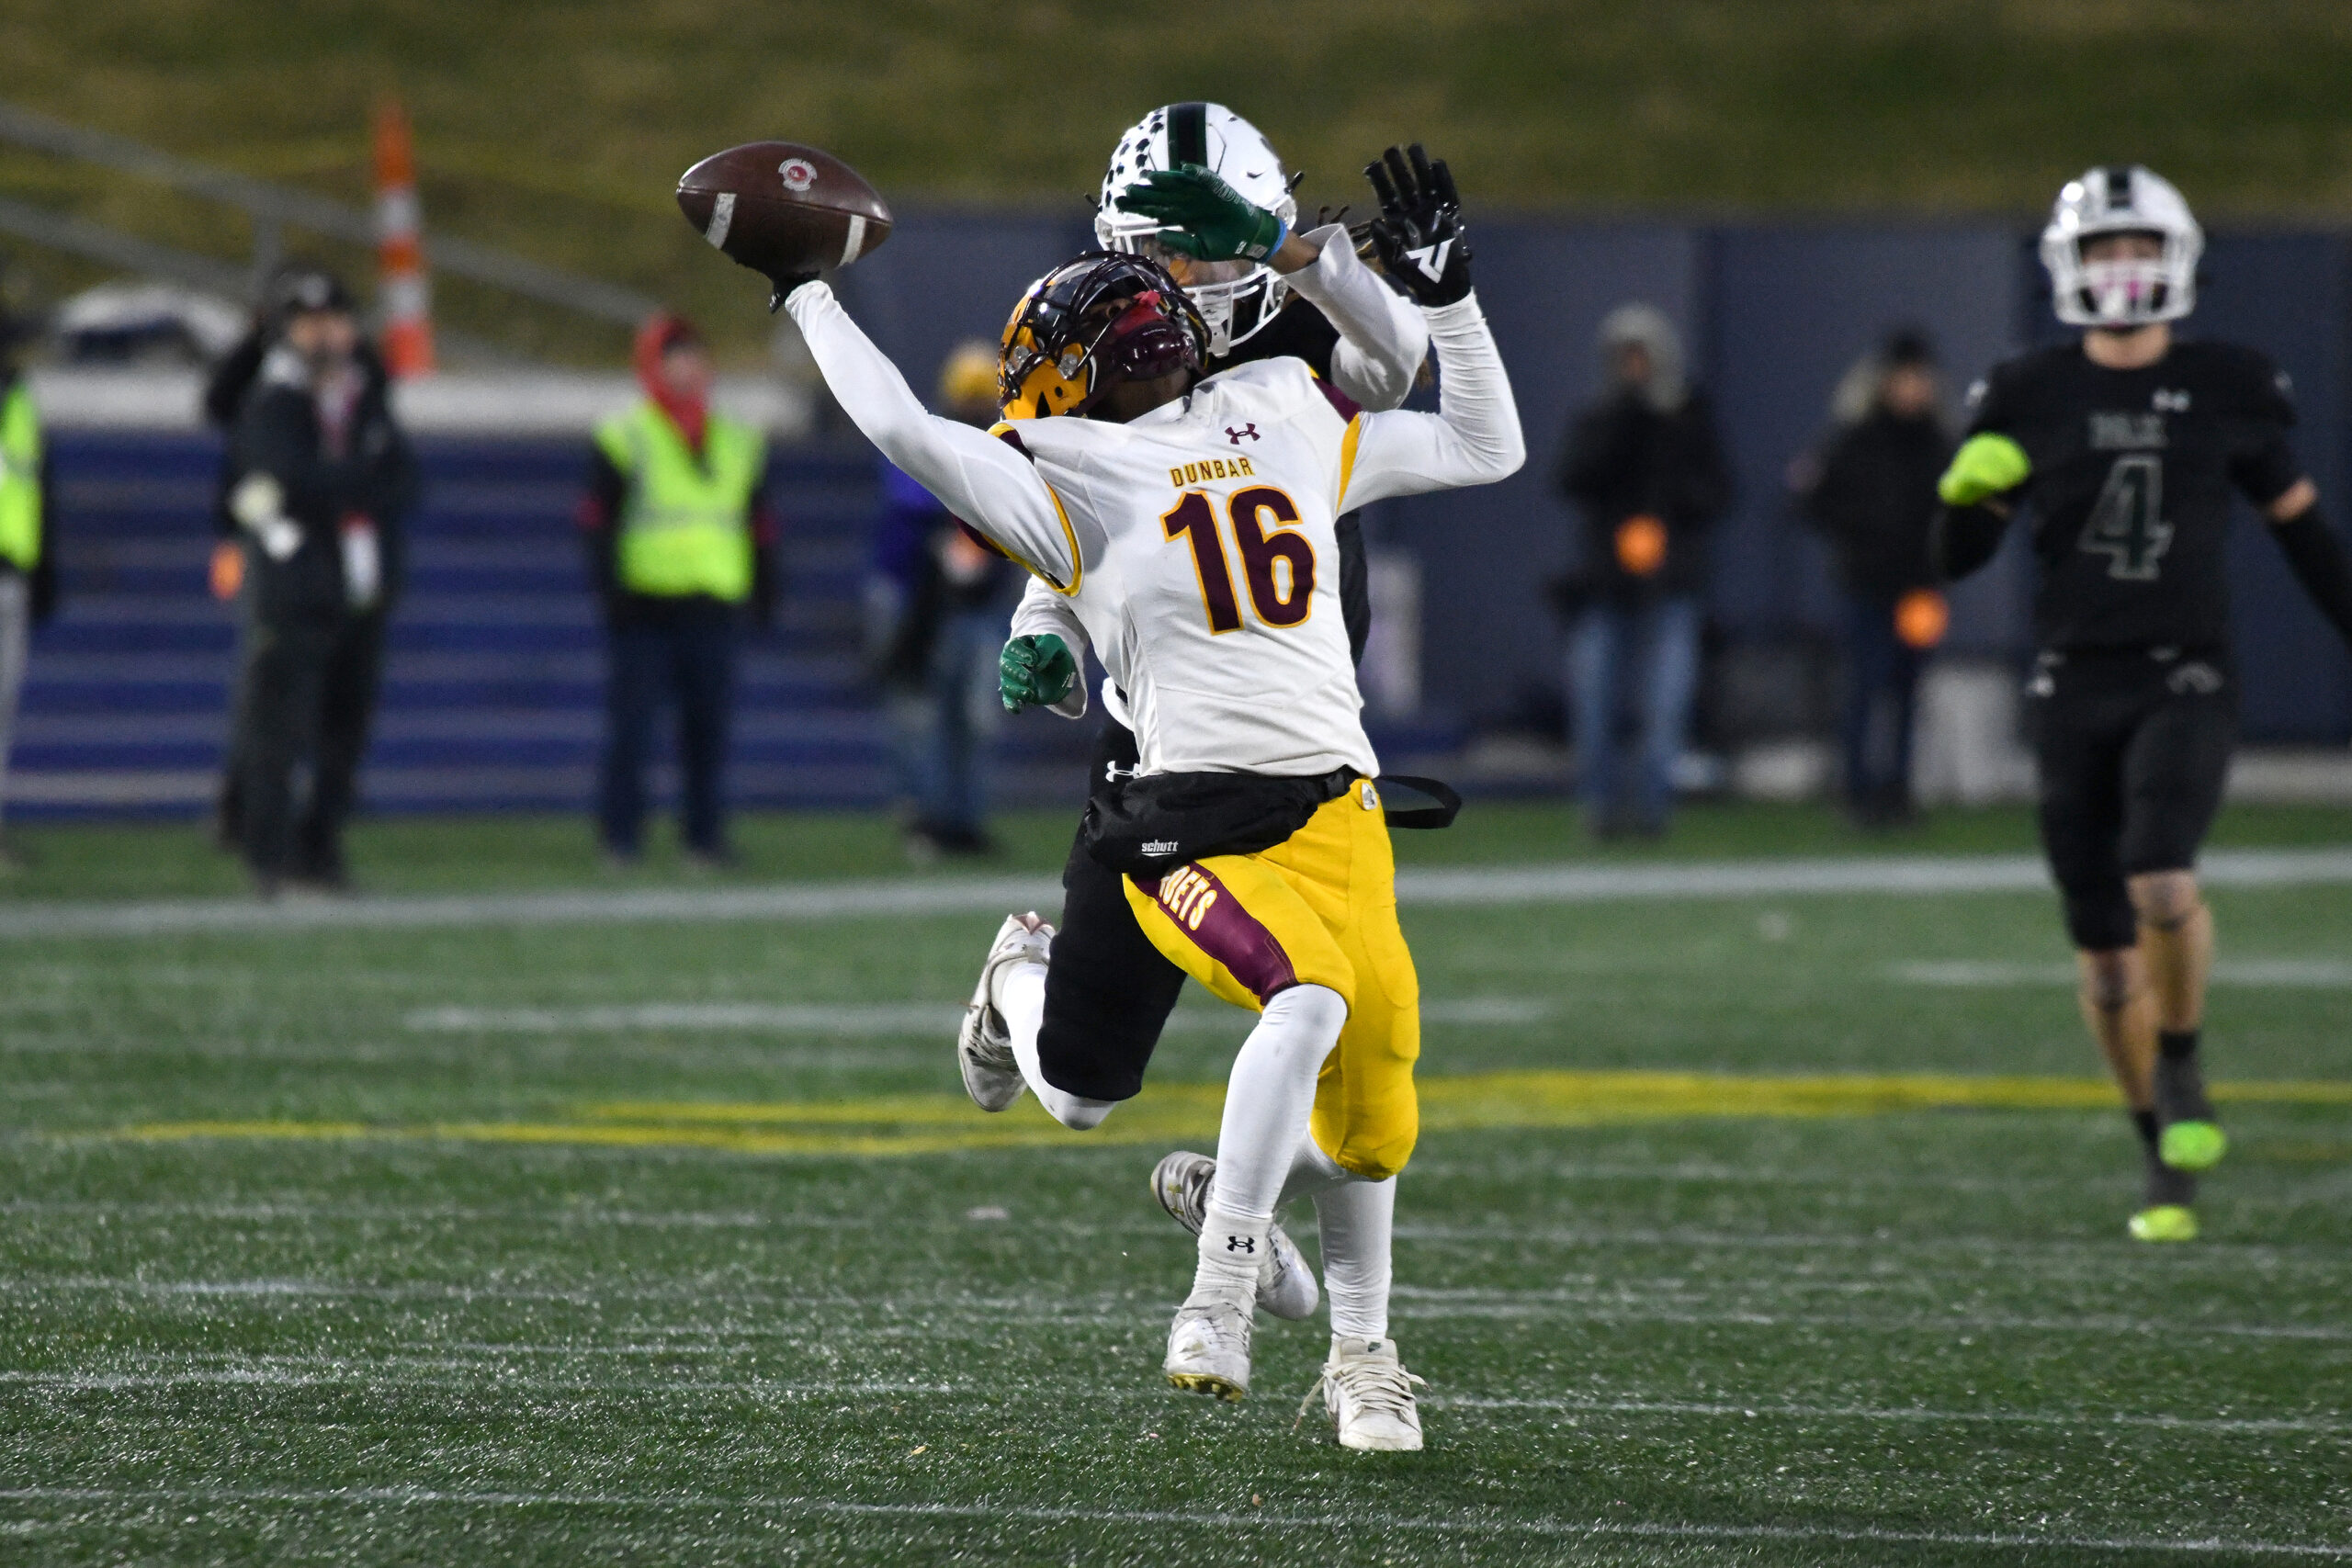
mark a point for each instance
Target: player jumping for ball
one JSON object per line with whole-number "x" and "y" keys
{"x": 1190, "y": 520}
{"x": 1084, "y": 1006}
{"x": 2125, "y": 449}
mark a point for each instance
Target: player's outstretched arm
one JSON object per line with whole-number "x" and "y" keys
{"x": 981, "y": 480}
{"x": 1474, "y": 437}
{"x": 1383, "y": 339}
{"x": 2315, "y": 552}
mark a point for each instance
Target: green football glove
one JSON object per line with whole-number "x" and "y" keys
{"x": 1034, "y": 672}
{"x": 1207, "y": 219}
{"x": 1986, "y": 464}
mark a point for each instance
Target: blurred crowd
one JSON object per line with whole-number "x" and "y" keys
{"x": 682, "y": 546}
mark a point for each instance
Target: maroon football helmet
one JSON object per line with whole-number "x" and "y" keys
{"x": 1095, "y": 321}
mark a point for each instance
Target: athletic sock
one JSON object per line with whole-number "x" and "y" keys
{"x": 2177, "y": 1044}
{"x": 1267, "y": 1101}
{"x": 2144, "y": 1122}
{"x": 1021, "y": 998}
{"x": 1230, "y": 1249}
{"x": 1356, "y": 1221}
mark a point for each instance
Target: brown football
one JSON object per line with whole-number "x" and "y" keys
{"x": 780, "y": 208}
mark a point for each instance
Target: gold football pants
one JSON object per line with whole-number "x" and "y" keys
{"x": 1317, "y": 908}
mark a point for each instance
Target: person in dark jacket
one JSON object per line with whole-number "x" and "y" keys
{"x": 225, "y": 385}
{"x": 681, "y": 547}
{"x": 1871, "y": 492}
{"x": 935, "y": 615}
{"x": 1645, "y": 465}
{"x": 324, "y": 480}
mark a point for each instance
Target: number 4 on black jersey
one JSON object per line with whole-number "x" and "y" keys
{"x": 2130, "y": 494}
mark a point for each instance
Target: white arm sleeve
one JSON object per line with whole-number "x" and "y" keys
{"x": 1042, "y": 611}
{"x": 1473, "y": 439}
{"x": 981, "y": 480}
{"x": 1383, "y": 339}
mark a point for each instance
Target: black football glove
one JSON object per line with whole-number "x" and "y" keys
{"x": 1418, "y": 235}
{"x": 786, "y": 282}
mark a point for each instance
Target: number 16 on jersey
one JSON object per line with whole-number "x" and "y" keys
{"x": 1278, "y": 565}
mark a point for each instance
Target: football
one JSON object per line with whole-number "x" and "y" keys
{"x": 781, "y": 209}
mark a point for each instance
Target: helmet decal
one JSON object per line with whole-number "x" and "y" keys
{"x": 1217, "y": 138}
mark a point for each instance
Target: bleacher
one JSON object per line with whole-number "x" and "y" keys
{"x": 493, "y": 688}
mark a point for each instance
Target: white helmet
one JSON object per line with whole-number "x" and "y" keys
{"x": 2116, "y": 199}
{"x": 1215, "y": 137}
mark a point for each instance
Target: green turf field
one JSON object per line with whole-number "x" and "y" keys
{"x": 1771, "y": 1227}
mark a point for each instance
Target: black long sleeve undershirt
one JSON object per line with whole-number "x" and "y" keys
{"x": 2317, "y": 557}
{"x": 1963, "y": 539}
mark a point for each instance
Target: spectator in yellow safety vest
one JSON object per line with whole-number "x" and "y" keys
{"x": 682, "y": 550}
{"x": 28, "y": 561}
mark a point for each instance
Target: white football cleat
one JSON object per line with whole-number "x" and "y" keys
{"x": 1209, "y": 1350}
{"x": 984, "y": 1044}
{"x": 1286, "y": 1285}
{"x": 1369, "y": 1395}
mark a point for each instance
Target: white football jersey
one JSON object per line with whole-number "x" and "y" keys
{"x": 1209, "y": 569}
{"x": 1196, "y": 543}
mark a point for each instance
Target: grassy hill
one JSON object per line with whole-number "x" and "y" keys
{"x": 558, "y": 129}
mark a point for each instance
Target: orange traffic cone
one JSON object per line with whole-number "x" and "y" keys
{"x": 404, "y": 289}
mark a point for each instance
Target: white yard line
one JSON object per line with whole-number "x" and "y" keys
{"x": 1424, "y": 1303}
{"x": 398, "y": 1370}
{"x": 2073, "y": 1420}
{"x": 1351, "y": 1525}
{"x": 2281, "y": 974}
{"x": 1474, "y": 886}
{"x": 1440, "y": 1305}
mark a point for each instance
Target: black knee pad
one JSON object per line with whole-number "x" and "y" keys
{"x": 1097, "y": 1041}
{"x": 2101, "y": 919}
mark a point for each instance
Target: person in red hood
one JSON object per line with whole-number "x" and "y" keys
{"x": 682, "y": 550}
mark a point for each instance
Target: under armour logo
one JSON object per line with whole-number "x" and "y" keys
{"x": 1430, "y": 259}
{"x": 1113, "y": 772}
{"x": 2169, "y": 401}
{"x": 1250, "y": 430}
{"x": 1241, "y": 1243}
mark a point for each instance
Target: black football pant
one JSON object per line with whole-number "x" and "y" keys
{"x": 2133, "y": 751}
{"x": 310, "y": 692}
{"x": 1108, "y": 990}
{"x": 681, "y": 653}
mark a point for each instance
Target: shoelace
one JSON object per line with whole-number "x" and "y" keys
{"x": 1227, "y": 1325}
{"x": 1371, "y": 1384}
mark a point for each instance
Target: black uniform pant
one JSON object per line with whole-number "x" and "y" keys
{"x": 2133, "y": 749}
{"x": 310, "y": 685}
{"x": 1882, "y": 705}
{"x": 1108, "y": 990}
{"x": 682, "y": 652}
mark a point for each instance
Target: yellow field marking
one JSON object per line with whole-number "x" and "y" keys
{"x": 918, "y": 1125}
